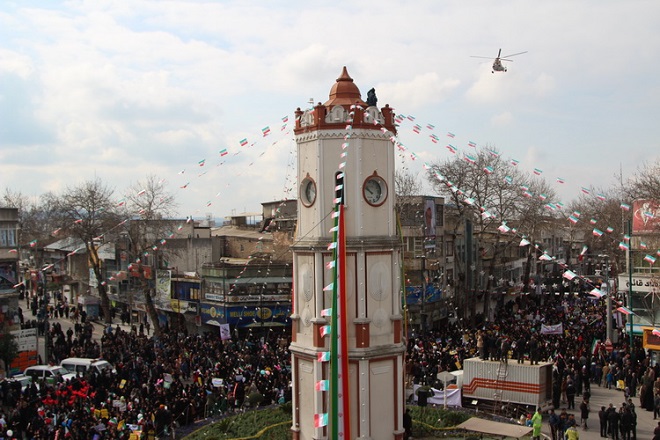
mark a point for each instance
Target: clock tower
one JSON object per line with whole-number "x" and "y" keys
{"x": 345, "y": 152}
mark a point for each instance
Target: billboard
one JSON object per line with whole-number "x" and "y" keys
{"x": 646, "y": 217}
{"x": 429, "y": 219}
{"x": 163, "y": 286}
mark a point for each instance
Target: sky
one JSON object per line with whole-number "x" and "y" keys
{"x": 119, "y": 90}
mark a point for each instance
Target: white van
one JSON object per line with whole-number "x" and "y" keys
{"x": 48, "y": 373}
{"x": 82, "y": 365}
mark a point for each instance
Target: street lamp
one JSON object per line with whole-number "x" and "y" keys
{"x": 607, "y": 292}
{"x": 422, "y": 313}
{"x": 630, "y": 290}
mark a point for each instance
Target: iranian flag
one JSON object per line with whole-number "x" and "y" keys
{"x": 339, "y": 390}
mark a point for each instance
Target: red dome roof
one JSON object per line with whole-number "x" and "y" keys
{"x": 344, "y": 92}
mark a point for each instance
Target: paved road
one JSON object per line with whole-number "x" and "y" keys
{"x": 601, "y": 396}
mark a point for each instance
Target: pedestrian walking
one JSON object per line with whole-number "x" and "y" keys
{"x": 537, "y": 423}
{"x": 584, "y": 414}
{"x": 570, "y": 394}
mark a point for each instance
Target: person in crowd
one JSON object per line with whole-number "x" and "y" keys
{"x": 553, "y": 421}
{"x": 572, "y": 433}
{"x": 584, "y": 414}
{"x": 625, "y": 423}
{"x": 537, "y": 424}
{"x": 407, "y": 424}
{"x": 613, "y": 419}
{"x": 570, "y": 393}
{"x": 602, "y": 417}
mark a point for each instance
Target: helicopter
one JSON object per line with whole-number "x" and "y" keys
{"x": 497, "y": 64}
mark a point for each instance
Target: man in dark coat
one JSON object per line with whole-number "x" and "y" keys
{"x": 570, "y": 394}
{"x": 613, "y": 419}
{"x": 584, "y": 414}
{"x": 626, "y": 423}
{"x": 602, "y": 416}
{"x": 407, "y": 424}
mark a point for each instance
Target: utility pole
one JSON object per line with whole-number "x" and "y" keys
{"x": 630, "y": 288}
{"x": 422, "y": 312}
{"x": 608, "y": 313}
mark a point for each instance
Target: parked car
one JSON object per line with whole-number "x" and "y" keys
{"x": 24, "y": 380}
{"x": 48, "y": 373}
{"x": 82, "y": 365}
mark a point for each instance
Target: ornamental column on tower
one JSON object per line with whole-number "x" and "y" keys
{"x": 347, "y": 139}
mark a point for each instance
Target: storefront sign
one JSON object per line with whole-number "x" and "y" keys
{"x": 641, "y": 283}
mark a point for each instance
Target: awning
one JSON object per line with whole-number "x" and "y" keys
{"x": 495, "y": 428}
{"x": 265, "y": 324}
{"x": 257, "y": 280}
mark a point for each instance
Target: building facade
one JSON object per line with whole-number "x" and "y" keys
{"x": 365, "y": 175}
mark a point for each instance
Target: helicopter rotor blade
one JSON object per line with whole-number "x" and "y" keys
{"x": 499, "y": 53}
{"x": 513, "y": 55}
{"x": 504, "y": 59}
{"x": 486, "y": 58}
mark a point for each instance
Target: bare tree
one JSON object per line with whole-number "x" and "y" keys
{"x": 488, "y": 191}
{"x": 645, "y": 183}
{"x": 149, "y": 204}
{"x": 87, "y": 212}
{"x": 406, "y": 184}
{"x": 601, "y": 222}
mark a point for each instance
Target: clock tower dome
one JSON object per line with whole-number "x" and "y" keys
{"x": 345, "y": 153}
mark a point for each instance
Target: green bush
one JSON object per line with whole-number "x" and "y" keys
{"x": 247, "y": 425}
{"x": 275, "y": 422}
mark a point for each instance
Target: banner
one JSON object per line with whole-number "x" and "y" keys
{"x": 163, "y": 286}
{"x": 453, "y": 396}
{"x": 225, "y": 332}
{"x": 557, "y": 329}
{"x": 646, "y": 217}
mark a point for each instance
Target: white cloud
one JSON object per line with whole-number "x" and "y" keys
{"x": 421, "y": 90}
{"x": 122, "y": 89}
{"x": 502, "y": 119}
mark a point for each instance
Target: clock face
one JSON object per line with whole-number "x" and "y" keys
{"x": 308, "y": 191}
{"x": 374, "y": 190}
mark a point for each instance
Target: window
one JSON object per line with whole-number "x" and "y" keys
{"x": 449, "y": 248}
{"x": 7, "y": 237}
{"x": 439, "y": 215}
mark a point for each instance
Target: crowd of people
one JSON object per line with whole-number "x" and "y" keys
{"x": 158, "y": 383}
{"x": 578, "y": 353}
{"x": 162, "y": 382}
